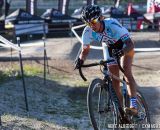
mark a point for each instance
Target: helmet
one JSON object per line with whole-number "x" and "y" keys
{"x": 91, "y": 12}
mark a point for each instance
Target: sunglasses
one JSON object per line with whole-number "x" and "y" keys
{"x": 92, "y": 22}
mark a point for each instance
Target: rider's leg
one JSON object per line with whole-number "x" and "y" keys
{"x": 114, "y": 69}
{"x": 127, "y": 66}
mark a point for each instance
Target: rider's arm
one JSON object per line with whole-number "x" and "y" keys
{"x": 86, "y": 40}
{"x": 84, "y": 52}
{"x": 129, "y": 45}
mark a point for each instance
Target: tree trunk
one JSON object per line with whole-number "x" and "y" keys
{"x": 63, "y": 6}
{"x": 60, "y": 4}
{"x": 6, "y": 8}
{"x": 31, "y": 6}
{"x": 116, "y": 3}
{"x": 1, "y": 5}
{"x": 91, "y": 2}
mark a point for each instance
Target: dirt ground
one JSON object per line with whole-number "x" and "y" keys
{"x": 61, "y": 104}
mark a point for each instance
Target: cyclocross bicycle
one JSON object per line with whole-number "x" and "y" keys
{"x": 104, "y": 107}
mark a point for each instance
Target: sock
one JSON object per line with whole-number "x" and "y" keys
{"x": 133, "y": 102}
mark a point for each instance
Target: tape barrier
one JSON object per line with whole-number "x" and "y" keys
{"x": 100, "y": 48}
{"x": 9, "y": 44}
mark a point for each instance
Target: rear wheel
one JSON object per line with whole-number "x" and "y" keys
{"x": 143, "y": 112}
{"x": 143, "y": 118}
{"x": 102, "y": 111}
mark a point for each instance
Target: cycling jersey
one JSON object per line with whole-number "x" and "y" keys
{"x": 112, "y": 33}
{"x": 111, "y": 38}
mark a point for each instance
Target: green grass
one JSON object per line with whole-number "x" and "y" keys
{"x": 34, "y": 70}
{"x": 28, "y": 70}
{"x": 3, "y": 76}
{"x": 15, "y": 72}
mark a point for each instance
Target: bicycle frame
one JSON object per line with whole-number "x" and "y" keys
{"x": 108, "y": 82}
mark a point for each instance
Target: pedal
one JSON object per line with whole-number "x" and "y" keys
{"x": 131, "y": 111}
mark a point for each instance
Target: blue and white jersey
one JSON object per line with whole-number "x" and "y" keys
{"x": 112, "y": 33}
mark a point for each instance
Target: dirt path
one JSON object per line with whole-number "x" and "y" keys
{"x": 57, "y": 105}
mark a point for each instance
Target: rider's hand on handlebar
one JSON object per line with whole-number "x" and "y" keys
{"x": 118, "y": 54}
{"x": 78, "y": 63}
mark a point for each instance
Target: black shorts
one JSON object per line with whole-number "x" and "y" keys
{"x": 117, "y": 46}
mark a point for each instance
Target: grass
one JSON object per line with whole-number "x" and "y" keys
{"x": 32, "y": 70}
{"x": 37, "y": 70}
{"x": 3, "y": 76}
{"x": 15, "y": 72}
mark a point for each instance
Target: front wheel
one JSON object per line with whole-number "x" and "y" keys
{"x": 102, "y": 111}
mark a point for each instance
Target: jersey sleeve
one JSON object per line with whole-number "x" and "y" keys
{"x": 87, "y": 36}
{"x": 118, "y": 31}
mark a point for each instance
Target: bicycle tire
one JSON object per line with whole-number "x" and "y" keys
{"x": 141, "y": 100}
{"x": 90, "y": 104}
